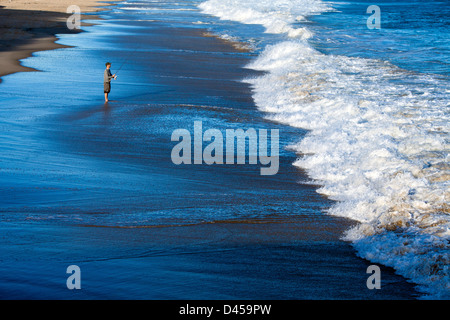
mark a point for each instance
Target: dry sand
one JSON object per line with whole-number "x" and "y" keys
{"x": 27, "y": 26}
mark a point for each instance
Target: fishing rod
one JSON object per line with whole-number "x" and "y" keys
{"x": 126, "y": 60}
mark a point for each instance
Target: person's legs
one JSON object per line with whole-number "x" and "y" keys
{"x": 107, "y": 89}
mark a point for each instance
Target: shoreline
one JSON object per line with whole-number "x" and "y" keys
{"x": 31, "y": 27}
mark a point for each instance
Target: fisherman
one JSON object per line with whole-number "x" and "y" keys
{"x": 107, "y": 80}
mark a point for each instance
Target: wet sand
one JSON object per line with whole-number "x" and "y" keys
{"x": 93, "y": 185}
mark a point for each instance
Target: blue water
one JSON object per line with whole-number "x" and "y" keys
{"x": 413, "y": 35}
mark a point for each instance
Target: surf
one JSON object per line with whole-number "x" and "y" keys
{"x": 377, "y": 141}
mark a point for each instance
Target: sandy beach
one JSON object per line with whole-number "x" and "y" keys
{"x": 30, "y": 26}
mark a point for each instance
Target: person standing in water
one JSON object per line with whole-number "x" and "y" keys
{"x": 107, "y": 80}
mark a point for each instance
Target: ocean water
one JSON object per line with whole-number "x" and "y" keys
{"x": 88, "y": 184}
{"x": 376, "y": 104}
{"x": 93, "y": 185}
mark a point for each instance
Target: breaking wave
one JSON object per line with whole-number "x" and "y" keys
{"x": 377, "y": 141}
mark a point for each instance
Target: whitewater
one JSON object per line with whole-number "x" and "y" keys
{"x": 377, "y": 139}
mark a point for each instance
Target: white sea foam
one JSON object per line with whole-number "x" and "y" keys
{"x": 378, "y": 141}
{"x": 277, "y": 16}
